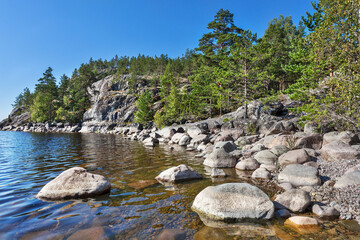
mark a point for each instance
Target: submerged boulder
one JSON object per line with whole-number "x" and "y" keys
{"x": 178, "y": 174}
{"x": 75, "y": 182}
{"x": 233, "y": 202}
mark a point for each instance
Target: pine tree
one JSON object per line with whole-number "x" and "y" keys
{"x": 144, "y": 112}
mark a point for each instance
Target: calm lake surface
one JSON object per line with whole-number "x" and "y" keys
{"x": 136, "y": 208}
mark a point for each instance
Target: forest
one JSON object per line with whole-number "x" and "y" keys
{"x": 315, "y": 61}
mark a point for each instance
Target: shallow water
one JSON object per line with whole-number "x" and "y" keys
{"x": 136, "y": 208}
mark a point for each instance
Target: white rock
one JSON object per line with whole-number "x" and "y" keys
{"x": 178, "y": 174}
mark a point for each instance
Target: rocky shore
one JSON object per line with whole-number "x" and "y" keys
{"x": 268, "y": 144}
{"x": 317, "y": 173}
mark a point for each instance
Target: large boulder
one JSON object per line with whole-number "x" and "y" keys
{"x": 279, "y": 150}
{"x": 184, "y": 140}
{"x": 338, "y": 150}
{"x": 178, "y": 174}
{"x": 299, "y": 175}
{"x": 75, "y": 182}
{"x": 247, "y": 164}
{"x": 295, "y": 200}
{"x": 345, "y": 137}
{"x": 220, "y": 156}
{"x": 176, "y": 137}
{"x": 313, "y": 141}
{"x": 350, "y": 178}
{"x": 295, "y": 156}
{"x": 233, "y": 202}
{"x": 265, "y": 157}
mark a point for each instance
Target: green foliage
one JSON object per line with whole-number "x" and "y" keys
{"x": 230, "y": 67}
{"x": 45, "y": 102}
{"x": 144, "y": 113}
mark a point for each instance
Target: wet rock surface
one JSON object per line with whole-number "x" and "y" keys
{"x": 75, "y": 182}
{"x": 233, "y": 201}
{"x": 178, "y": 174}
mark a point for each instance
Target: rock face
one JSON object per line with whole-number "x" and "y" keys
{"x": 111, "y": 101}
{"x": 299, "y": 175}
{"x": 233, "y": 202}
{"x": 294, "y": 200}
{"x": 178, "y": 174}
{"x": 338, "y": 150}
{"x": 75, "y": 183}
{"x": 292, "y": 157}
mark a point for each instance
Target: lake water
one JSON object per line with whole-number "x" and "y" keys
{"x": 136, "y": 208}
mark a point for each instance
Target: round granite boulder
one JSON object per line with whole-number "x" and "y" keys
{"x": 233, "y": 202}
{"x": 75, "y": 182}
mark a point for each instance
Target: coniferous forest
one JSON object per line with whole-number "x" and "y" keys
{"x": 315, "y": 61}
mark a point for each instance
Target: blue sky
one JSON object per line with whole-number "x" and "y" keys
{"x": 63, "y": 34}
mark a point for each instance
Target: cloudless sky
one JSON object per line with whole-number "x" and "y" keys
{"x": 63, "y": 34}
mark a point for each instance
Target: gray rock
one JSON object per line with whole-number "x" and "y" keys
{"x": 295, "y": 156}
{"x": 217, "y": 172}
{"x": 227, "y": 146}
{"x": 265, "y": 157}
{"x": 178, "y": 174}
{"x": 176, "y": 138}
{"x": 167, "y": 132}
{"x": 172, "y": 234}
{"x": 248, "y": 164}
{"x": 282, "y": 213}
{"x": 346, "y": 137}
{"x": 325, "y": 212}
{"x": 150, "y": 142}
{"x": 75, "y": 182}
{"x": 286, "y": 186}
{"x": 299, "y": 175}
{"x": 313, "y": 141}
{"x": 220, "y": 158}
{"x": 184, "y": 140}
{"x": 261, "y": 173}
{"x": 194, "y": 131}
{"x": 353, "y": 169}
{"x": 233, "y": 201}
{"x": 258, "y": 147}
{"x": 338, "y": 150}
{"x": 294, "y": 200}
{"x": 197, "y": 140}
{"x": 269, "y": 167}
{"x": 351, "y": 178}
{"x": 279, "y": 150}
{"x": 310, "y": 128}
{"x": 276, "y": 128}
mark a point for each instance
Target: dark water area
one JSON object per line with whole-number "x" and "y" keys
{"x": 137, "y": 207}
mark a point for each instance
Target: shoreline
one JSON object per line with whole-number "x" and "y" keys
{"x": 258, "y": 145}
